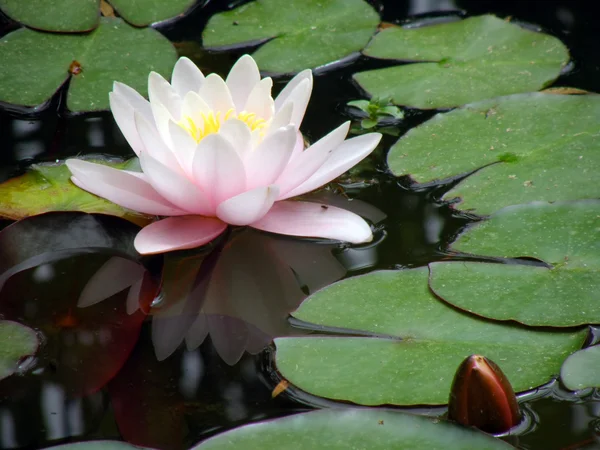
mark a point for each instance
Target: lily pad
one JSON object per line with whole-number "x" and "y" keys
{"x": 564, "y": 235}
{"x": 418, "y": 342}
{"x": 353, "y": 428}
{"x": 461, "y": 62}
{"x": 54, "y": 15}
{"x": 546, "y": 146}
{"x": 16, "y": 342}
{"x": 96, "y": 445}
{"x": 145, "y": 12}
{"x": 36, "y": 64}
{"x": 47, "y": 187}
{"x": 300, "y": 33}
{"x": 582, "y": 369}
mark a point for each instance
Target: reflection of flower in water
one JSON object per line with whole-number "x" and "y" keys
{"x": 240, "y": 292}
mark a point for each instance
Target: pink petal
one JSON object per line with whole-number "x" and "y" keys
{"x": 248, "y": 207}
{"x": 242, "y": 77}
{"x": 344, "y": 157}
{"x": 267, "y": 161}
{"x": 160, "y": 91}
{"x": 134, "y": 98}
{"x": 315, "y": 220}
{"x": 121, "y": 187}
{"x": 218, "y": 169}
{"x": 154, "y": 145}
{"x": 186, "y": 77}
{"x": 239, "y": 136}
{"x": 298, "y": 92}
{"x": 183, "y": 146}
{"x": 175, "y": 187}
{"x": 305, "y": 164}
{"x": 216, "y": 94}
{"x": 260, "y": 101}
{"x": 177, "y": 233}
{"x": 122, "y": 111}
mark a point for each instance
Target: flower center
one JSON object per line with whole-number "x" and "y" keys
{"x": 211, "y": 123}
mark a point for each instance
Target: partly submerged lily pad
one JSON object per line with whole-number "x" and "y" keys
{"x": 47, "y": 187}
{"x": 461, "y": 62}
{"x": 564, "y": 235}
{"x": 16, "y": 342}
{"x": 300, "y": 33}
{"x": 418, "y": 368}
{"x": 547, "y": 148}
{"x": 84, "y": 15}
{"x": 96, "y": 445}
{"x": 582, "y": 369}
{"x": 336, "y": 429}
{"x": 36, "y": 64}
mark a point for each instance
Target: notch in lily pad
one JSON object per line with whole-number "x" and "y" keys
{"x": 70, "y": 16}
{"x": 295, "y": 34}
{"x": 16, "y": 342}
{"x": 35, "y": 64}
{"x": 461, "y": 62}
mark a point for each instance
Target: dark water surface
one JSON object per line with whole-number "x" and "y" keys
{"x": 62, "y": 395}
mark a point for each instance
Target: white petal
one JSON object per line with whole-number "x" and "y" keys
{"x": 218, "y": 169}
{"x": 183, "y": 146}
{"x": 281, "y": 118}
{"x": 346, "y": 156}
{"x": 134, "y": 98}
{"x": 160, "y": 91}
{"x": 238, "y": 134}
{"x": 154, "y": 145}
{"x": 161, "y": 118}
{"x": 306, "y": 163}
{"x": 260, "y": 101}
{"x": 267, "y": 161}
{"x": 177, "y": 233}
{"x": 194, "y": 108}
{"x": 186, "y": 77}
{"x": 292, "y": 84}
{"x": 120, "y": 187}
{"x": 248, "y": 207}
{"x": 241, "y": 79}
{"x": 298, "y": 92}
{"x": 216, "y": 94}
{"x": 123, "y": 113}
{"x": 315, "y": 220}
{"x": 175, "y": 187}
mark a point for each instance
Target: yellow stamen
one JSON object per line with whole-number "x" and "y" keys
{"x": 212, "y": 123}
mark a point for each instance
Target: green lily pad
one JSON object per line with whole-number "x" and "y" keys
{"x": 47, "y": 187}
{"x": 54, "y": 15}
{"x": 462, "y": 62}
{"x": 96, "y": 445}
{"x": 418, "y": 369}
{"x": 353, "y": 428}
{"x": 16, "y": 342}
{"x": 145, "y": 12}
{"x": 547, "y": 148}
{"x": 301, "y": 34}
{"x": 36, "y": 64}
{"x": 564, "y": 235}
{"x": 582, "y": 369}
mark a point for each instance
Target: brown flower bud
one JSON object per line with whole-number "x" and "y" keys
{"x": 482, "y": 397}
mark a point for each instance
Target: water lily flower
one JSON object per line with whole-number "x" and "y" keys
{"x": 217, "y": 152}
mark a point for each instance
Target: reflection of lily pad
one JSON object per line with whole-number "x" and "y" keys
{"x": 548, "y": 147}
{"x": 461, "y": 62}
{"x": 582, "y": 369}
{"x": 336, "y": 429}
{"x": 301, "y": 33}
{"x": 564, "y": 235}
{"x": 36, "y": 64}
{"x": 47, "y": 187}
{"x": 84, "y": 15}
{"x": 419, "y": 368}
{"x": 16, "y": 342}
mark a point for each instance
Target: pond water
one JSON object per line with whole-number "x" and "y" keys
{"x": 64, "y": 393}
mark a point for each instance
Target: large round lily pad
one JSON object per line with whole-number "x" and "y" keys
{"x": 97, "y": 445}
{"x": 145, "y": 12}
{"x": 301, "y": 34}
{"x": 47, "y": 187}
{"x": 582, "y": 369}
{"x": 419, "y": 367}
{"x": 36, "y": 64}
{"x": 461, "y": 62}
{"x": 546, "y": 147}
{"x": 16, "y": 342}
{"x": 358, "y": 429}
{"x": 564, "y": 235}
